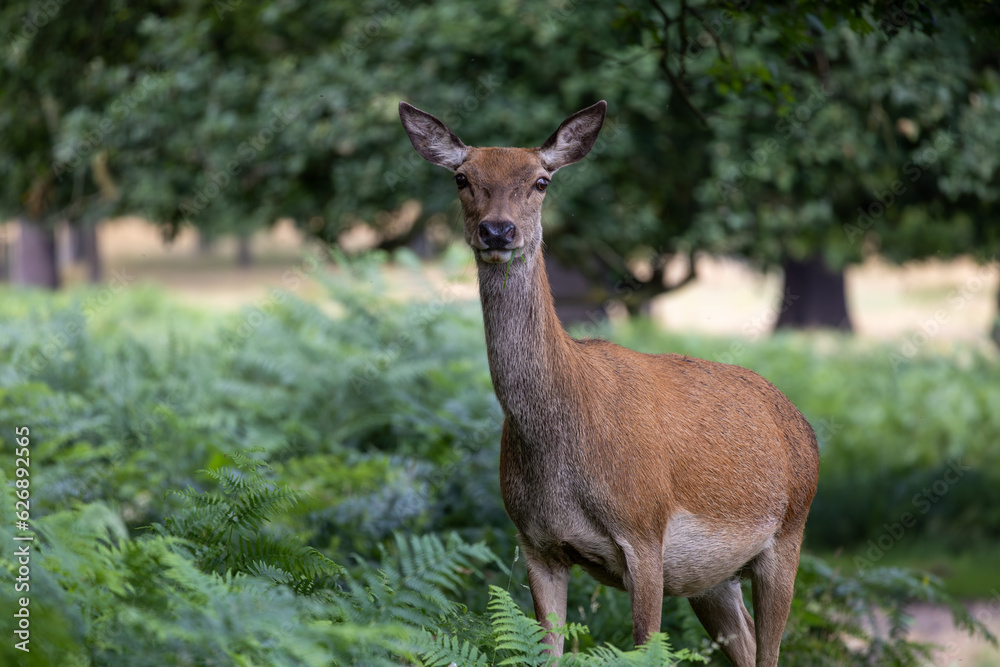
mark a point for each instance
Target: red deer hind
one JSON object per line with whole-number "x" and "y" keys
{"x": 656, "y": 473}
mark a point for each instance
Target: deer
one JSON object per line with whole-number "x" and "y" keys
{"x": 659, "y": 474}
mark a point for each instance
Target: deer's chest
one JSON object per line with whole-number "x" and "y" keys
{"x": 557, "y": 529}
{"x": 557, "y": 515}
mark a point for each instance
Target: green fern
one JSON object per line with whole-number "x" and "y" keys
{"x": 102, "y": 598}
{"x": 225, "y": 529}
{"x": 406, "y": 595}
{"x": 519, "y": 642}
{"x": 445, "y": 650}
{"x": 516, "y": 633}
{"x": 413, "y": 586}
{"x": 656, "y": 652}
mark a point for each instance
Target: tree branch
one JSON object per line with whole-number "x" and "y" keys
{"x": 684, "y": 40}
{"x": 680, "y": 89}
{"x": 675, "y": 80}
{"x": 714, "y": 35}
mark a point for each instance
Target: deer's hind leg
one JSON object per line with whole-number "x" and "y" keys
{"x": 720, "y": 609}
{"x": 772, "y": 575}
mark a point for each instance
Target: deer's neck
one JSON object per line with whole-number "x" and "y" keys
{"x": 530, "y": 354}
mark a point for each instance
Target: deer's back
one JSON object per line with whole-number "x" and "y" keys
{"x": 728, "y": 442}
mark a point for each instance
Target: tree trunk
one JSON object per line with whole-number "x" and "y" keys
{"x": 573, "y": 295}
{"x": 84, "y": 248}
{"x": 814, "y": 296}
{"x": 5, "y": 254}
{"x": 243, "y": 257}
{"x": 74, "y": 245}
{"x": 92, "y": 253}
{"x": 421, "y": 245}
{"x": 206, "y": 244}
{"x": 34, "y": 261}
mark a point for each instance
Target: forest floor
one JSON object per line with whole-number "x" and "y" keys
{"x": 932, "y": 623}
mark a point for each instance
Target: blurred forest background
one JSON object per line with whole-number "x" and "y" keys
{"x": 240, "y": 321}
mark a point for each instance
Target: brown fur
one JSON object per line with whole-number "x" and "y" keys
{"x": 659, "y": 474}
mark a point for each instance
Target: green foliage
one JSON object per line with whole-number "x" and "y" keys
{"x": 289, "y": 110}
{"x": 876, "y": 153}
{"x": 373, "y": 436}
{"x": 518, "y": 641}
{"x": 862, "y": 620}
{"x": 160, "y": 595}
{"x": 445, "y": 650}
{"x": 99, "y": 597}
{"x": 225, "y": 529}
{"x": 656, "y": 651}
{"x": 516, "y": 633}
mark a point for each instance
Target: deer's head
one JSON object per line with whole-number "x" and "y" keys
{"x": 502, "y": 189}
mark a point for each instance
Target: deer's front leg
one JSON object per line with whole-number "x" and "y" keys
{"x": 549, "y": 584}
{"x": 644, "y": 581}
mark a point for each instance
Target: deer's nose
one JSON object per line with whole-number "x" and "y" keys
{"x": 497, "y": 234}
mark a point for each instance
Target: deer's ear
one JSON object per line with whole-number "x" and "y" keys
{"x": 432, "y": 138}
{"x": 574, "y": 138}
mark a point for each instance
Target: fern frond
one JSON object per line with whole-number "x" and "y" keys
{"x": 429, "y": 570}
{"x": 258, "y": 506}
{"x": 516, "y": 632}
{"x": 197, "y": 498}
{"x": 443, "y": 650}
{"x": 656, "y": 652}
{"x": 232, "y": 480}
{"x": 245, "y": 461}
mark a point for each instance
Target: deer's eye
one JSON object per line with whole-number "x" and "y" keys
{"x": 461, "y": 181}
{"x": 541, "y": 184}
